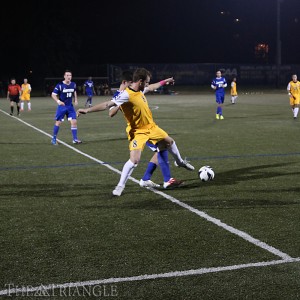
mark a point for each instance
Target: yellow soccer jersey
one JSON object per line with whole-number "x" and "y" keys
{"x": 26, "y": 89}
{"x": 294, "y": 88}
{"x": 233, "y": 90}
{"x": 135, "y": 108}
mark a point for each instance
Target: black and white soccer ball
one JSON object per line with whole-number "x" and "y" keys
{"x": 206, "y": 173}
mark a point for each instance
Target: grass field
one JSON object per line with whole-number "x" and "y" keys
{"x": 236, "y": 237}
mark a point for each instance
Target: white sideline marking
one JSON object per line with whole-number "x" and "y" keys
{"x": 200, "y": 213}
{"x": 192, "y": 272}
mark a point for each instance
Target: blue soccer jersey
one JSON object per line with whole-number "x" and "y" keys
{"x": 220, "y": 83}
{"x": 89, "y": 84}
{"x": 65, "y": 92}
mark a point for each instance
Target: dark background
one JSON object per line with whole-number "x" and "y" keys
{"x": 43, "y": 38}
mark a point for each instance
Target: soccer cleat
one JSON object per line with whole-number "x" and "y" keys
{"x": 148, "y": 183}
{"x": 11, "y": 114}
{"x": 118, "y": 190}
{"x": 184, "y": 164}
{"x": 77, "y": 142}
{"x": 54, "y": 142}
{"x": 172, "y": 183}
{"x": 217, "y": 116}
{"x": 221, "y": 117}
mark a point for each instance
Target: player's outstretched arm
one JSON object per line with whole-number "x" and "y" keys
{"x": 98, "y": 107}
{"x": 157, "y": 85}
{"x": 113, "y": 111}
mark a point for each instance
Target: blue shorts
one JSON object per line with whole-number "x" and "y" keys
{"x": 152, "y": 146}
{"x": 220, "y": 98}
{"x": 89, "y": 94}
{"x": 67, "y": 111}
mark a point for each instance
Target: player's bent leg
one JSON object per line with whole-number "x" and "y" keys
{"x": 172, "y": 148}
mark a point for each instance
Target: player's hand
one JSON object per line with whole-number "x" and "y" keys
{"x": 81, "y": 111}
{"x": 60, "y": 103}
{"x": 170, "y": 81}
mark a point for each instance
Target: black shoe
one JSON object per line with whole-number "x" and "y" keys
{"x": 11, "y": 114}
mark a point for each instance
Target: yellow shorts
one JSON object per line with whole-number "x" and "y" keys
{"x": 138, "y": 137}
{"x": 295, "y": 100}
{"x": 25, "y": 97}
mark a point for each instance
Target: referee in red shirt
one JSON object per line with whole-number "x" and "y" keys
{"x": 13, "y": 94}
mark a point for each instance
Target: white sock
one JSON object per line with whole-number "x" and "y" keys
{"x": 29, "y": 105}
{"x": 126, "y": 172}
{"x": 22, "y": 105}
{"x": 296, "y": 110}
{"x": 175, "y": 153}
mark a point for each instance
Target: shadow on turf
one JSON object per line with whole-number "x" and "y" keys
{"x": 239, "y": 175}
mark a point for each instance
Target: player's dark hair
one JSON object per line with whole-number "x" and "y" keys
{"x": 127, "y": 75}
{"x": 141, "y": 74}
{"x": 68, "y": 71}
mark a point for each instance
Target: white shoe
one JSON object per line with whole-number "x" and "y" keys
{"x": 185, "y": 164}
{"x": 118, "y": 190}
{"x": 148, "y": 183}
{"x": 172, "y": 183}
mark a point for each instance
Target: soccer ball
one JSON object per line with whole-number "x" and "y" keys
{"x": 206, "y": 173}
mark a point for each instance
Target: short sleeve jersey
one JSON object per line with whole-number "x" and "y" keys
{"x": 65, "y": 92}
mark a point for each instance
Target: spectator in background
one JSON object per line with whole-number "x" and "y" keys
{"x": 25, "y": 96}
{"x": 106, "y": 89}
{"x": 2, "y": 94}
{"x": 13, "y": 95}
{"x": 89, "y": 91}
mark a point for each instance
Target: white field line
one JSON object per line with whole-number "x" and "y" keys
{"x": 200, "y": 213}
{"x": 285, "y": 257}
{"x": 42, "y": 289}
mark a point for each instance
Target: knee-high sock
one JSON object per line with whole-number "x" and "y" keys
{"x": 149, "y": 171}
{"x": 74, "y": 132}
{"x": 296, "y": 110}
{"x": 175, "y": 153}
{"x": 55, "y": 130}
{"x": 164, "y": 164}
{"x": 126, "y": 172}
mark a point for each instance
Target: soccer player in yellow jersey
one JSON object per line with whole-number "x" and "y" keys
{"x": 25, "y": 96}
{"x": 142, "y": 127}
{"x": 293, "y": 89}
{"x": 233, "y": 90}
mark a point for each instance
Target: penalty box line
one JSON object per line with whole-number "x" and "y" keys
{"x": 200, "y": 213}
{"x": 44, "y": 288}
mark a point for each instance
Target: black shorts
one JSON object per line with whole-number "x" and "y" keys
{"x": 14, "y": 98}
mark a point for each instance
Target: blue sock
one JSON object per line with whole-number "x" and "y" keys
{"x": 163, "y": 161}
{"x": 55, "y": 130}
{"x": 74, "y": 132}
{"x": 150, "y": 169}
{"x": 220, "y": 110}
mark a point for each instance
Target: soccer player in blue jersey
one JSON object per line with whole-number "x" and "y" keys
{"x": 63, "y": 95}
{"x": 219, "y": 84}
{"x": 90, "y": 91}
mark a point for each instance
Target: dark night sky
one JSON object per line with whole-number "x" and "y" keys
{"x": 48, "y": 36}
